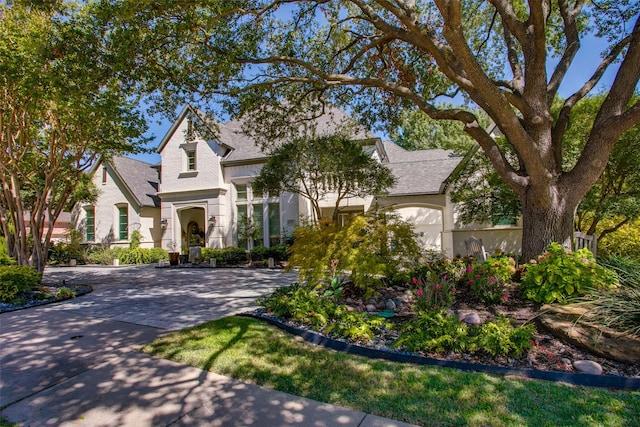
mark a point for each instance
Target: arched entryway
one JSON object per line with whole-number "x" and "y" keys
{"x": 192, "y": 226}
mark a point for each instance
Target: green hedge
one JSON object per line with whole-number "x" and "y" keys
{"x": 16, "y": 280}
{"x": 105, "y": 256}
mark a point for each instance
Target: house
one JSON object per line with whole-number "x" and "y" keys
{"x": 200, "y": 193}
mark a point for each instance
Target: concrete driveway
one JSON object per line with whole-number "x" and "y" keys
{"x": 76, "y": 363}
{"x": 167, "y": 298}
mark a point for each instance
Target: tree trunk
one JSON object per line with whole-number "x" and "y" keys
{"x": 545, "y": 220}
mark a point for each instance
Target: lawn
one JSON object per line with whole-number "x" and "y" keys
{"x": 252, "y": 351}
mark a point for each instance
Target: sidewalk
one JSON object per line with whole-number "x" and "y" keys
{"x": 61, "y": 367}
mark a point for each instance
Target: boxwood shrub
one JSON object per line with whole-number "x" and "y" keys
{"x": 16, "y": 280}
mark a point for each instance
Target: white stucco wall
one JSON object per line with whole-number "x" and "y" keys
{"x": 176, "y": 177}
{"x": 145, "y": 220}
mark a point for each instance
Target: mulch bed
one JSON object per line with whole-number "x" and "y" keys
{"x": 548, "y": 353}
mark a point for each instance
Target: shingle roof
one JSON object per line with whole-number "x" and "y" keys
{"x": 420, "y": 171}
{"x": 140, "y": 178}
{"x": 245, "y": 147}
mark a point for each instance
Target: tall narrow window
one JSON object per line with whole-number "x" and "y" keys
{"x": 123, "y": 221}
{"x": 274, "y": 223}
{"x": 241, "y": 233}
{"x": 258, "y": 224}
{"x": 90, "y": 235}
{"x": 191, "y": 160}
{"x": 104, "y": 174}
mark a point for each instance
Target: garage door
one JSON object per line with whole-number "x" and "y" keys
{"x": 427, "y": 223}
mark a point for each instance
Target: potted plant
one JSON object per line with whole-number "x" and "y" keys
{"x": 174, "y": 255}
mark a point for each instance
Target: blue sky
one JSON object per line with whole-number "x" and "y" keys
{"x": 584, "y": 65}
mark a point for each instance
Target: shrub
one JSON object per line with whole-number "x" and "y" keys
{"x": 135, "y": 239}
{"x": 16, "y": 280}
{"x": 103, "y": 256}
{"x": 208, "y": 253}
{"x": 5, "y": 259}
{"x": 260, "y": 253}
{"x": 440, "y": 331}
{"x": 65, "y": 292}
{"x": 433, "y": 291}
{"x": 233, "y": 256}
{"x": 558, "y": 275}
{"x": 373, "y": 248}
{"x": 625, "y": 242}
{"x": 134, "y": 256}
{"x": 500, "y": 338}
{"x": 435, "y": 330}
{"x": 304, "y": 305}
{"x": 157, "y": 254}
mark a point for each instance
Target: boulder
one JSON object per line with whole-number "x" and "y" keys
{"x": 588, "y": 367}
{"x": 371, "y": 308}
{"x": 566, "y": 322}
{"x": 390, "y": 305}
{"x": 472, "y": 319}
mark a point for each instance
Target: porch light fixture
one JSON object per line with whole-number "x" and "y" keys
{"x": 212, "y": 220}
{"x": 164, "y": 222}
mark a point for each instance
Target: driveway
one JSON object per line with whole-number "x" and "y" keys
{"x": 166, "y": 298}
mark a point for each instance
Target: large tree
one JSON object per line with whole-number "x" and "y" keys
{"x": 321, "y": 167}
{"x": 508, "y": 58}
{"x": 61, "y": 107}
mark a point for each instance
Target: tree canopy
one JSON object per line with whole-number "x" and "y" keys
{"x": 61, "y": 108}
{"x": 323, "y": 166}
{"x": 508, "y": 58}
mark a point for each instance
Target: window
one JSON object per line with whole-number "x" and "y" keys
{"x": 274, "y": 223}
{"x": 258, "y": 223}
{"x": 104, "y": 174}
{"x": 241, "y": 189}
{"x": 123, "y": 220}
{"x": 90, "y": 234}
{"x": 191, "y": 160}
{"x": 242, "y": 222}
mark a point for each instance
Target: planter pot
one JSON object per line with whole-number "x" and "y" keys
{"x": 72, "y": 262}
{"x": 116, "y": 262}
{"x": 184, "y": 259}
{"x": 174, "y": 258}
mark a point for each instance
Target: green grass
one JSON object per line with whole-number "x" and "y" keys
{"x": 252, "y": 351}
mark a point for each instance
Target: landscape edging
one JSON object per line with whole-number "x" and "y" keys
{"x": 588, "y": 380}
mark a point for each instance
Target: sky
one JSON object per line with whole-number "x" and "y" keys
{"x": 581, "y": 69}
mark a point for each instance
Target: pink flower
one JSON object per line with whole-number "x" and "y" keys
{"x": 505, "y": 298}
{"x": 420, "y": 282}
{"x": 492, "y": 279}
{"x": 414, "y": 280}
{"x": 469, "y": 268}
{"x": 470, "y": 281}
{"x": 445, "y": 277}
{"x": 419, "y": 292}
{"x": 437, "y": 287}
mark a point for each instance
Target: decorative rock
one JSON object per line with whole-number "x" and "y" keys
{"x": 349, "y": 301}
{"x": 472, "y": 319}
{"x": 588, "y": 367}
{"x": 371, "y": 308}
{"x": 373, "y": 301}
{"x": 390, "y": 305}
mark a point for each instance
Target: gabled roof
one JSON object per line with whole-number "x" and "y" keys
{"x": 245, "y": 148}
{"x": 213, "y": 126}
{"x": 140, "y": 179}
{"x": 420, "y": 171}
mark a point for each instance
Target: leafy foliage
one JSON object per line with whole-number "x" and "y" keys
{"x": 62, "y": 107}
{"x": 625, "y": 242}
{"x": 325, "y": 165}
{"x": 617, "y": 308}
{"x": 15, "y": 280}
{"x": 371, "y": 247}
{"x": 105, "y": 256}
{"x": 5, "y": 259}
{"x": 305, "y": 305}
{"x": 433, "y": 291}
{"x": 558, "y": 275}
{"x": 439, "y": 331}
{"x": 487, "y": 281}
